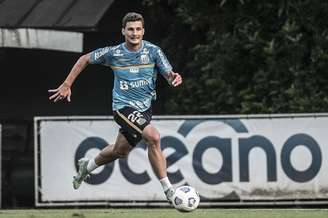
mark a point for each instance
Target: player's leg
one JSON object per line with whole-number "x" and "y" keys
{"x": 157, "y": 159}
{"x": 155, "y": 155}
{"x": 121, "y": 148}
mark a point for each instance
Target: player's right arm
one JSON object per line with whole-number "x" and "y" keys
{"x": 101, "y": 56}
{"x": 64, "y": 90}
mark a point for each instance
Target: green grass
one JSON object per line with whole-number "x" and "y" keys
{"x": 165, "y": 213}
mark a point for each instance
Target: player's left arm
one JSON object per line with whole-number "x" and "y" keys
{"x": 165, "y": 68}
{"x": 173, "y": 78}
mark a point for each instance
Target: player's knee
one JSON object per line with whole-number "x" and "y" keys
{"x": 154, "y": 140}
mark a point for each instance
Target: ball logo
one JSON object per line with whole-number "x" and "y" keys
{"x": 191, "y": 201}
{"x": 185, "y": 189}
{"x": 177, "y": 201}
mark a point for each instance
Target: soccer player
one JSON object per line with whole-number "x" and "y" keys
{"x": 135, "y": 64}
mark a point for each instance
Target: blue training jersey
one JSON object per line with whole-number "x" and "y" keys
{"x": 135, "y": 73}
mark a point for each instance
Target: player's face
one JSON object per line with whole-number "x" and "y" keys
{"x": 133, "y": 33}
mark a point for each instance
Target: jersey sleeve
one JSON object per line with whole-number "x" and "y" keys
{"x": 162, "y": 64}
{"x": 101, "y": 56}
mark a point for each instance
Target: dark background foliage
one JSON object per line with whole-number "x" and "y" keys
{"x": 246, "y": 56}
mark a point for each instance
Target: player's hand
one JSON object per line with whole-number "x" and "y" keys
{"x": 175, "y": 78}
{"x": 62, "y": 92}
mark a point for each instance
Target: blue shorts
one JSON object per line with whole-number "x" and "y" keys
{"x": 132, "y": 123}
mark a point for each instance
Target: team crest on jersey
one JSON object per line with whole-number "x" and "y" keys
{"x": 144, "y": 59}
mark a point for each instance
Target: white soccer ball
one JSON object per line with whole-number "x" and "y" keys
{"x": 185, "y": 199}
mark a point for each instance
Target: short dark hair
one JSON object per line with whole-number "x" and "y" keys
{"x": 132, "y": 16}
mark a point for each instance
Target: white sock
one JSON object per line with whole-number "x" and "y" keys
{"x": 166, "y": 184}
{"x": 91, "y": 165}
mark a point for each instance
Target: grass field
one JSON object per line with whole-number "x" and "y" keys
{"x": 165, "y": 213}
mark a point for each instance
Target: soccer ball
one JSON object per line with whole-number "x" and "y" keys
{"x": 185, "y": 199}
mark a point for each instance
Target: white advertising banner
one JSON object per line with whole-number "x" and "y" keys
{"x": 229, "y": 160}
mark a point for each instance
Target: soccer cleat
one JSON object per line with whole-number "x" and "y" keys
{"x": 169, "y": 194}
{"x": 82, "y": 173}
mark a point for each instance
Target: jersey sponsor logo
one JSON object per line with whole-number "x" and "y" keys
{"x": 139, "y": 83}
{"x": 125, "y": 85}
{"x": 101, "y": 52}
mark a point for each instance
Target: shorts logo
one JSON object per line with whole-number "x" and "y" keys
{"x": 141, "y": 121}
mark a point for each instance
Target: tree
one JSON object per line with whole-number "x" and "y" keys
{"x": 247, "y": 56}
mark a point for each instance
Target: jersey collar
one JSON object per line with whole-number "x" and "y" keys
{"x": 127, "y": 50}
